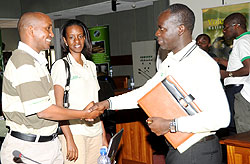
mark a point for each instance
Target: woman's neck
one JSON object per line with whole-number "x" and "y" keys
{"x": 77, "y": 57}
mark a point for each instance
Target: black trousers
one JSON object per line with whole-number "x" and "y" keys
{"x": 231, "y": 90}
{"x": 206, "y": 152}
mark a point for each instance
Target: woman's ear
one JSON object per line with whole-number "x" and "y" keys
{"x": 181, "y": 29}
{"x": 65, "y": 41}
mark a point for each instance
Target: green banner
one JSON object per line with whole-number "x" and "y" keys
{"x": 213, "y": 19}
{"x": 100, "y": 42}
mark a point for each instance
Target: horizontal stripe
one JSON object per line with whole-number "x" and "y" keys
{"x": 20, "y": 58}
{"x": 31, "y": 121}
{"x": 45, "y": 131}
{"x": 32, "y": 90}
{"x": 37, "y": 105}
{"x": 27, "y": 73}
{"x": 15, "y": 105}
{"x": 8, "y": 88}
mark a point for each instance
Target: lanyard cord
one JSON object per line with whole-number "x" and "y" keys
{"x": 188, "y": 52}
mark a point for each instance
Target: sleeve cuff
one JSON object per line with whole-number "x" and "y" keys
{"x": 110, "y": 104}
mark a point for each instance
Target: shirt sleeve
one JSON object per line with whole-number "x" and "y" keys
{"x": 129, "y": 99}
{"x": 93, "y": 70}
{"x": 243, "y": 50}
{"x": 58, "y": 73}
{"x": 31, "y": 90}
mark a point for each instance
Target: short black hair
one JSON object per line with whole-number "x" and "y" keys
{"x": 87, "y": 50}
{"x": 203, "y": 35}
{"x": 236, "y": 18}
{"x": 185, "y": 15}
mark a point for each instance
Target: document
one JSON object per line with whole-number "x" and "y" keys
{"x": 169, "y": 100}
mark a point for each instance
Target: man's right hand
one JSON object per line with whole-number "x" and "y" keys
{"x": 100, "y": 106}
{"x": 90, "y": 115}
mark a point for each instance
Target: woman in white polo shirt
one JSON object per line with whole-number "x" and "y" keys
{"x": 82, "y": 139}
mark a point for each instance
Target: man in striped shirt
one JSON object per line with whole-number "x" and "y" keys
{"x": 28, "y": 97}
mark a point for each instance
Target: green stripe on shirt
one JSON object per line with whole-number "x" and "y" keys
{"x": 247, "y": 57}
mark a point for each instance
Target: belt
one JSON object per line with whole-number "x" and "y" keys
{"x": 32, "y": 137}
{"x": 207, "y": 138}
{"x": 233, "y": 85}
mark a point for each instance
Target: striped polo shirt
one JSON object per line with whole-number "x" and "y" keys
{"x": 27, "y": 90}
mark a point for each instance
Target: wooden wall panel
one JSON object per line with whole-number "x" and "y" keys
{"x": 238, "y": 155}
{"x": 238, "y": 148}
{"x": 134, "y": 147}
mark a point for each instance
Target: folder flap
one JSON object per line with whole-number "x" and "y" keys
{"x": 180, "y": 95}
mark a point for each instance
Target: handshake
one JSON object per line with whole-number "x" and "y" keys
{"x": 95, "y": 109}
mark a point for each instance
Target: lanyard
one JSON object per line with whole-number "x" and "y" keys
{"x": 188, "y": 52}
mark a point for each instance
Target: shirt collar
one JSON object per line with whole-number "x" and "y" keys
{"x": 179, "y": 55}
{"x": 39, "y": 57}
{"x": 73, "y": 61}
{"x": 245, "y": 33}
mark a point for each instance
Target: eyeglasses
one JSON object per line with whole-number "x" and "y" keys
{"x": 225, "y": 28}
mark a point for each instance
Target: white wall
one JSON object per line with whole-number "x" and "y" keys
{"x": 143, "y": 53}
{"x": 230, "y": 2}
{"x": 198, "y": 5}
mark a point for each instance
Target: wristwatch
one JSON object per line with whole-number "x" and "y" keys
{"x": 230, "y": 74}
{"x": 173, "y": 126}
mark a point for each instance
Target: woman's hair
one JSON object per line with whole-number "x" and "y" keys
{"x": 87, "y": 49}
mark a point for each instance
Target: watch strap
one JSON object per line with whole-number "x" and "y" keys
{"x": 230, "y": 74}
{"x": 173, "y": 126}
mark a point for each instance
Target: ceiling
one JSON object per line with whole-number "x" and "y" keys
{"x": 93, "y": 9}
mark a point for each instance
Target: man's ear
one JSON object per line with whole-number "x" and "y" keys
{"x": 181, "y": 29}
{"x": 30, "y": 30}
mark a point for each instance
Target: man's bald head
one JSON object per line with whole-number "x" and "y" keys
{"x": 35, "y": 30}
{"x": 30, "y": 19}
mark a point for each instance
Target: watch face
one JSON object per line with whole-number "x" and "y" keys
{"x": 172, "y": 127}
